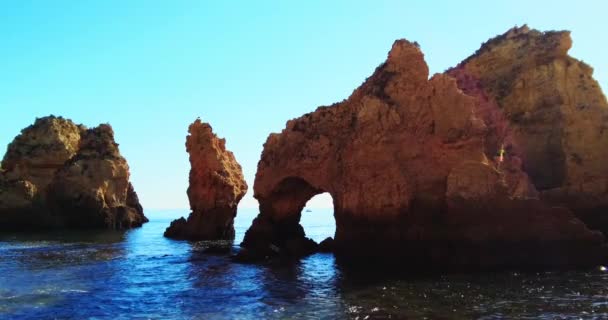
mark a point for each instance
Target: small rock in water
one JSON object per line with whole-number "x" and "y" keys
{"x": 327, "y": 245}
{"x": 218, "y": 249}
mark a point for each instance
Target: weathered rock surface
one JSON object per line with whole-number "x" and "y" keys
{"x": 91, "y": 189}
{"x": 556, "y": 112}
{"x": 216, "y": 187}
{"x": 58, "y": 174}
{"x": 419, "y": 171}
{"x": 40, "y": 150}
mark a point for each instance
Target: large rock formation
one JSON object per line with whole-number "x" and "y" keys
{"x": 92, "y": 188}
{"x": 216, "y": 187}
{"x": 555, "y": 110}
{"x": 419, "y": 171}
{"x": 58, "y": 174}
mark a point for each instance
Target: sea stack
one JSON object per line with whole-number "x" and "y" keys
{"x": 57, "y": 174}
{"x": 216, "y": 187}
{"x": 441, "y": 172}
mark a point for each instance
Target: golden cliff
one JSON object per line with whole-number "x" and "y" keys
{"x": 556, "y": 112}
{"x": 58, "y": 174}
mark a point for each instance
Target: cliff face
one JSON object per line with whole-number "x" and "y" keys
{"x": 216, "y": 187}
{"x": 58, "y": 174}
{"x": 556, "y": 112}
{"x": 418, "y": 170}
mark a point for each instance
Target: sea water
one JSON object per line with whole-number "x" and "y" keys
{"x": 139, "y": 274}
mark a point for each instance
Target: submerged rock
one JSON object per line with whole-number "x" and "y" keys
{"x": 216, "y": 187}
{"x": 219, "y": 248}
{"x": 555, "y": 111}
{"x": 420, "y": 170}
{"x": 59, "y": 174}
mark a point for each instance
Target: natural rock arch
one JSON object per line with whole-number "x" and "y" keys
{"x": 318, "y": 220}
{"x": 283, "y": 208}
{"x": 289, "y": 198}
{"x": 411, "y": 165}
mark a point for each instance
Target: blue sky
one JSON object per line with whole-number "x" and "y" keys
{"x": 150, "y": 68}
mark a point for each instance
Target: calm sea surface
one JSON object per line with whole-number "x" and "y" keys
{"x": 140, "y": 275}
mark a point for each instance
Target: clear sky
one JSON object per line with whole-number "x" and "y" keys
{"x": 149, "y": 68}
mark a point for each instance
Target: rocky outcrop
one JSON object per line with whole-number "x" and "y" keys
{"x": 59, "y": 174}
{"x": 556, "y": 112}
{"x": 19, "y": 205}
{"x": 421, "y": 171}
{"x": 92, "y": 188}
{"x": 216, "y": 187}
{"x": 40, "y": 150}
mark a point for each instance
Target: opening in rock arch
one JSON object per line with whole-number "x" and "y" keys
{"x": 318, "y": 217}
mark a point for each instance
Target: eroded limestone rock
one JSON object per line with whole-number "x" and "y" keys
{"x": 555, "y": 110}
{"x": 91, "y": 189}
{"x": 216, "y": 187}
{"x": 59, "y": 174}
{"x": 420, "y": 170}
{"x": 40, "y": 150}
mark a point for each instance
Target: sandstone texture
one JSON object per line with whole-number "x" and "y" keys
{"x": 556, "y": 113}
{"x": 57, "y": 174}
{"x": 216, "y": 187}
{"x": 437, "y": 172}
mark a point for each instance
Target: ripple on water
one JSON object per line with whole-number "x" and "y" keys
{"x": 140, "y": 274}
